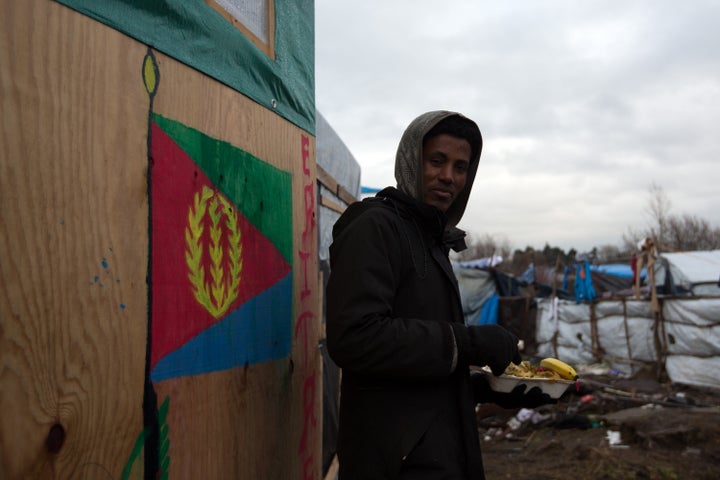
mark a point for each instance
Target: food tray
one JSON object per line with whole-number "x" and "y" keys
{"x": 506, "y": 383}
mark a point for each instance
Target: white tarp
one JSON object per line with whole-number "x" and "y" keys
{"x": 625, "y": 334}
{"x": 338, "y": 161}
{"x": 691, "y": 269}
{"x": 691, "y": 370}
{"x": 692, "y": 326}
{"x": 476, "y": 287}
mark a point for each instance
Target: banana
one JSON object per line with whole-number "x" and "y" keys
{"x": 563, "y": 369}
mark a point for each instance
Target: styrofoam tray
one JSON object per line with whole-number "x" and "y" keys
{"x": 506, "y": 383}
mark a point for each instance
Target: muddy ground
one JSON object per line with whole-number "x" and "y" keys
{"x": 608, "y": 428}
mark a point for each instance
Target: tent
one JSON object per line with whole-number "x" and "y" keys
{"x": 678, "y": 330}
{"x": 490, "y": 296}
{"x": 697, "y": 273}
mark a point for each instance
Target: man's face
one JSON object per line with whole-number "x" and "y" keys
{"x": 446, "y": 160}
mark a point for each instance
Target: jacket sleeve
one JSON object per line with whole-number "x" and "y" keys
{"x": 364, "y": 333}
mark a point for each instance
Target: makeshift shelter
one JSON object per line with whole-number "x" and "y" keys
{"x": 672, "y": 321}
{"x": 696, "y": 273}
{"x": 159, "y": 291}
{"x": 490, "y": 296}
{"x": 338, "y": 186}
{"x": 675, "y": 327}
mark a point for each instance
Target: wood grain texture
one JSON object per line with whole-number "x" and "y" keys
{"x": 248, "y": 423}
{"x": 74, "y": 256}
{"x": 74, "y": 216}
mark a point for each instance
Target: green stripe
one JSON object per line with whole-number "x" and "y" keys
{"x": 261, "y": 192}
{"x": 163, "y": 411}
{"x": 165, "y": 464}
{"x": 139, "y": 444}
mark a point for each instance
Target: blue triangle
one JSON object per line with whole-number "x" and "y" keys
{"x": 258, "y": 331}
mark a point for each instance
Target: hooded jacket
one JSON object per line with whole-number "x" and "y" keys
{"x": 405, "y": 411}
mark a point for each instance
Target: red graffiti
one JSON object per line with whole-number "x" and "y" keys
{"x": 305, "y": 146}
{"x": 309, "y": 420}
{"x": 309, "y": 191}
{"x": 304, "y": 323}
{"x": 309, "y": 211}
{"x": 306, "y": 287}
{"x": 301, "y": 327}
{"x": 309, "y": 468}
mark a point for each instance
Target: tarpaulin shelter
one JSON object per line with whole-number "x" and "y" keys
{"x": 338, "y": 186}
{"x": 490, "y": 296}
{"x": 697, "y": 273}
{"x": 678, "y": 329}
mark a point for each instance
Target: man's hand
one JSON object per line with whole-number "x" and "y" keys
{"x": 489, "y": 345}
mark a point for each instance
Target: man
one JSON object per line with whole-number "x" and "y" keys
{"x": 395, "y": 322}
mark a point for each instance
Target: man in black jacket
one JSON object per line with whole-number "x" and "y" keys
{"x": 395, "y": 321}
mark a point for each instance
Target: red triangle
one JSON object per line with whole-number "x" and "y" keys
{"x": 177, "y": 316}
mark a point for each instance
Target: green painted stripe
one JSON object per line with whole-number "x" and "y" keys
{"x": 139, "y": 444}
{"x": 163, "y": 411}
{"x": 165, "y": 464}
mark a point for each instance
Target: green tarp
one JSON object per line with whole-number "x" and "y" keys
{"x": 197, "y": 35}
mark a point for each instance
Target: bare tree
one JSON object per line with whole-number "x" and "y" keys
{"x": 484, "y": 246}
{"x": 672, "y": 232}
{"x": 689, "y": 232}
{"x": 611, "y": 254}
{"x": 631, "y": 238}
{"x": 658, "y": 207}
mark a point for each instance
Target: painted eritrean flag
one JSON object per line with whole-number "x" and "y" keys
{"x": 221, "y": 254}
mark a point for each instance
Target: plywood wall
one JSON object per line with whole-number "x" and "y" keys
{"x": 77, "y": 394}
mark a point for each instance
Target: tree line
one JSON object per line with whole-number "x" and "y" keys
{"x": 669, "y": 231}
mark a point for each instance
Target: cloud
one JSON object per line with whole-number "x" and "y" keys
{"x": 582, "y": 104}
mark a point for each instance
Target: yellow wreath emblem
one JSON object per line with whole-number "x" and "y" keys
{"x": 216, "y": 296}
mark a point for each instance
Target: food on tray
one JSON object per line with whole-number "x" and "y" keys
{"x": 545, "y": 376}
{"x": 527, "y": 370}
{"x": 563, "y": 369}
{"x": 550, "y": 368}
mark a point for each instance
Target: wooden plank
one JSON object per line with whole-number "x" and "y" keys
{"x": 246, "y": 439}
{"x": 73, "y": 244}
{"x": 74, "y": 254}
{"x": 211, "y": 416}
{"x": 329, "y": 203}
{"x": 345, "y": 196}
{"x": 326, "y": 180}
{"x": 267, "y": 46}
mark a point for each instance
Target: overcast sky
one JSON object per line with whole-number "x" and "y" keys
{"x": 582, "y": 104}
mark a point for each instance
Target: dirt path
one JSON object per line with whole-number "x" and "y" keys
{"x": 658, "y": 431}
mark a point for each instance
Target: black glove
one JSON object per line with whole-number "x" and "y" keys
{"x": 517, "y": 398}
{"x": 489, "y": 345}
